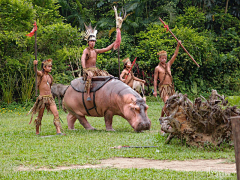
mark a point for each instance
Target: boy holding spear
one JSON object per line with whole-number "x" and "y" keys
{"x": 127, "y": 75}
{"x": 45, "y": 99}
{"x": 43, "y": 83}
{"x": 163, "y": 73}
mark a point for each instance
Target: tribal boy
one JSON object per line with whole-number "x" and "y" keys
{"x": 89, "y": 58}
{"x": 130, "y": 76}
{"x": 45, "y": 98}
{"x": 163, "y": 73}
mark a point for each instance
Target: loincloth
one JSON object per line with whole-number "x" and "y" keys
{"x": 96, "y": 72}
{"x": 42, "y": 102}
{"x": 166, "y": 90}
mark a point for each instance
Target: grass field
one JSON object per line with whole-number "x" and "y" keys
{"x": 21, "y": 147}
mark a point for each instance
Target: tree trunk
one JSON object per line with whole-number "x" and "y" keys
{"x": 200, "y": 122}
{"x": 226, "y": 6}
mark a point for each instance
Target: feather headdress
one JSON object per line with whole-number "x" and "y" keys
{"x": 90, "y": 33}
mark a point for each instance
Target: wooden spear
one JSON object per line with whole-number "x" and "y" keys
{"x": 36, "y": 88}
{"x": 34, "y": 32}
{"x": 177, "y": 41}
{"x": 119, "y": 57}
{"x": 118, "y": 63}
{"x": 131, "y": 67}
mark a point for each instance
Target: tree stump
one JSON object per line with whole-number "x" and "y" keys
{"x": 200, "y": 122}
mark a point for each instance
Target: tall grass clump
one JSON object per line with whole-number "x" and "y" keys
{"x": 26, "y": 83}
{"x": 8, "y": 84}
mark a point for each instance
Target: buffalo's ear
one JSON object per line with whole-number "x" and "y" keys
{"x": 144, "y": 98}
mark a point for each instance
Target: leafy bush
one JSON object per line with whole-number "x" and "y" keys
{"x": 57, "y": 36}
{"x": 15, "y": 11}
{"x": 193, "y": 18}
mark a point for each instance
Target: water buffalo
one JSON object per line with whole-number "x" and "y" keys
{"x": 58, "y": 90}
{"x": 139, "y": 87}
{"x": 112, "y": 98}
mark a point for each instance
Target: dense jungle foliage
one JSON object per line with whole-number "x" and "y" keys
{"x": 208, "y": 29}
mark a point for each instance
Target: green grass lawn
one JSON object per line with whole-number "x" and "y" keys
{"x": 21, "y": 147}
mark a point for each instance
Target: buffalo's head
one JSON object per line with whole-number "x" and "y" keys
{"x": 136, "y": 113}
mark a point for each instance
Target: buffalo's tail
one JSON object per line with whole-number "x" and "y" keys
{"x": 63, "y": 104}
{"x": 64, "y": 107}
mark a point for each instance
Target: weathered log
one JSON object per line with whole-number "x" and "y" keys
{"x": 236, "y": 139}
{"x": 199, "y": 122}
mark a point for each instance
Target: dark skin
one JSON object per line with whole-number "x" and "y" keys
{"x": 160, "y": 72}
{"x": 45, "y": 89}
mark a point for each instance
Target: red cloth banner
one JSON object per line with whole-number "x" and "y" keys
{"x": 166, "y": 26}
{"x": 118, "y": 39}
{"x": 33, "y": 30}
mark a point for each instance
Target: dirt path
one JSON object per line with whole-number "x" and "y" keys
{"x": 193, "y": 165}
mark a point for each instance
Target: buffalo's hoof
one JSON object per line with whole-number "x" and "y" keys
{"x": 89, "y": 99}
{"x": 91, "y": 129}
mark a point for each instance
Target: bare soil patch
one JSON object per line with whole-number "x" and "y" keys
{"x": 192, "y": 165}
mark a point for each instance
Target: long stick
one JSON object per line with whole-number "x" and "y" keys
{"x": 119, "y": 147}
{"x": 118, "y": 63}
{"x": 36, "y": 88}
{"x": 180, "y": 44}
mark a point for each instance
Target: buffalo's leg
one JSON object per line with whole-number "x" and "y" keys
{"x": 83, "y": 121}
{"x": 59, "y": 101}
{"x": 71, "y": 120}
{"x": 60, "y": 107}
{"x": 108, "y": 120}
